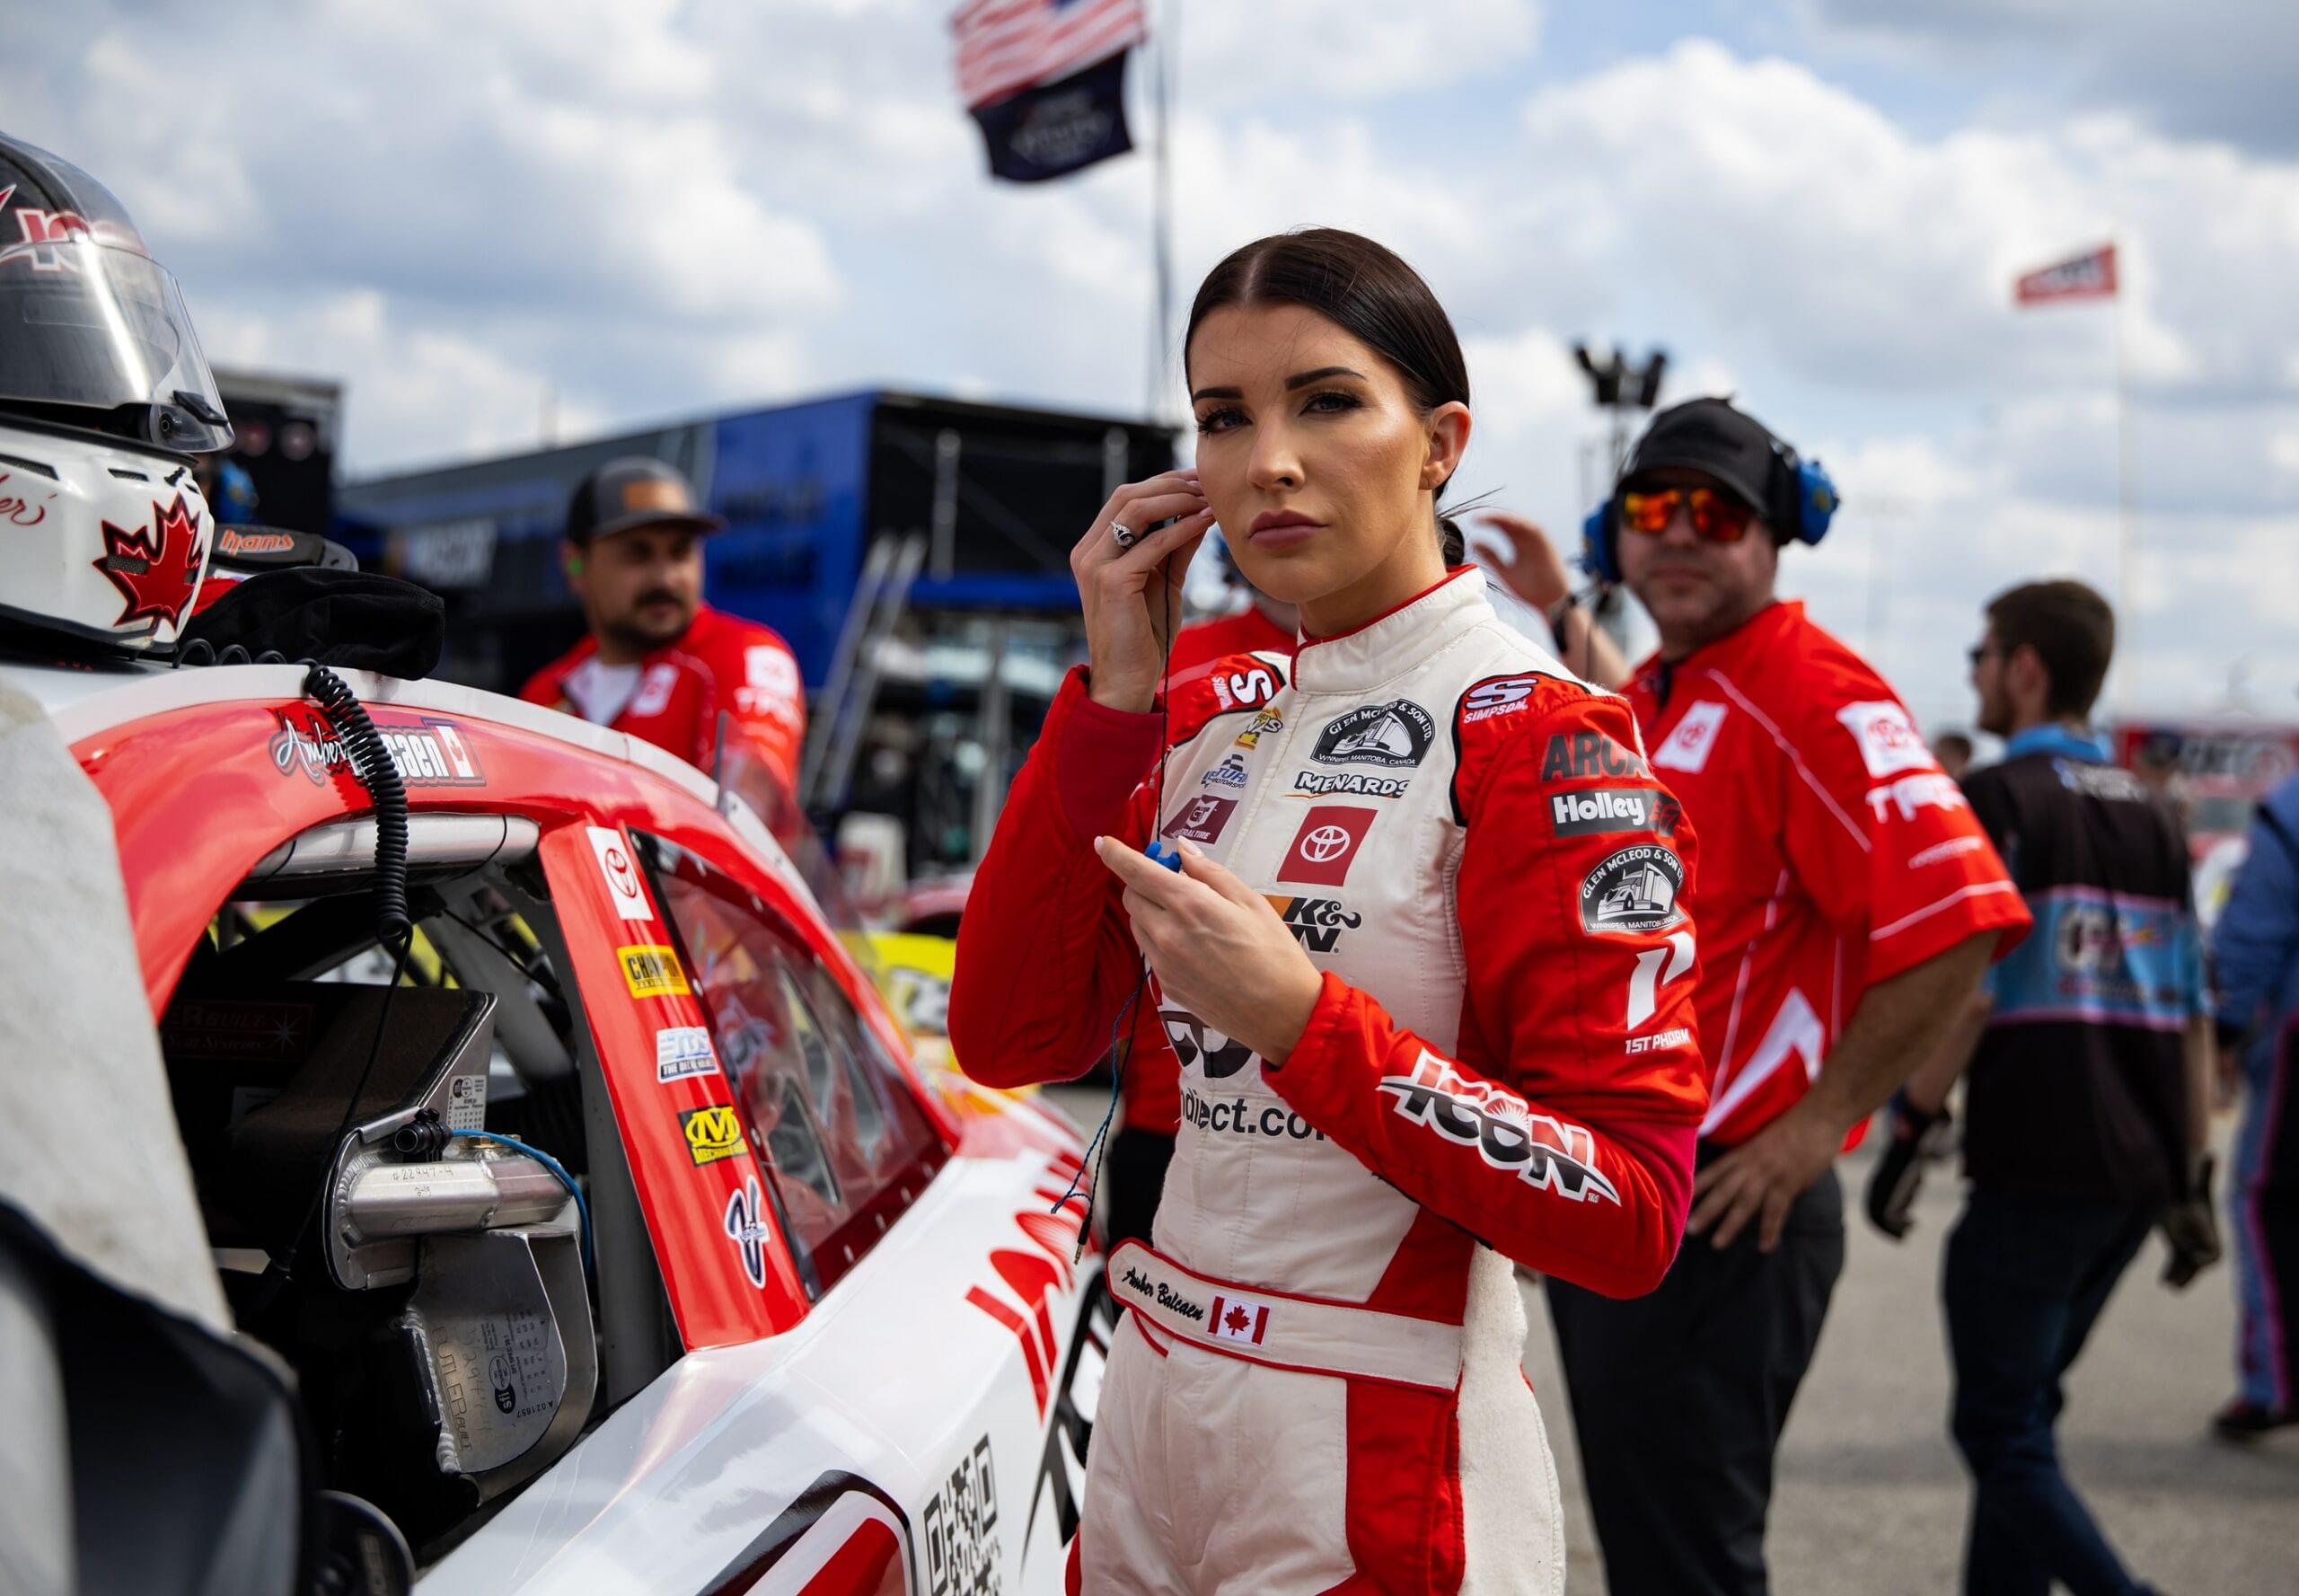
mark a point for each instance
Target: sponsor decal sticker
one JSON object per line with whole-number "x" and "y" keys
{"x": 1322, "y": 784}
{"x": 1230, "y": 773}
{"x": 961, "y": 1525}
{"x": 1322, "y": 850}
{"x": 1233, "y": 1317}
{"x": 1505, "y": 696}
{"x": 1932, "y": 790}
{"x": 1888, "y": 741}
{"x": 1397, "y": 733}
{"x": 652, "y": 971}
{"x": 1246, "y": 689}
{"x": 770, "y": 683}
{"x": 1202, "y": 818}
{"x": 1689, "y": 746}
{"x": 712, "y": 1133}
{"x": 238, "y": 540}
{"x": 1264, "y": 721}
{"x": 426, "y": 753}
{"x": 683, "y": 1052}
{"x": 1316, "y": 924}
{"x": 157, "y": 576}
{"x": 746, "y": 1227}
{"x": 1612, "y": 809}
{"x": 1633, "y": 891}
{"x": 620, "y": 874}
{"x": 1244, "y": 1116}
{"x": 1547, "y": 1154}
{"x": 654, "y": 694}
{"x": 1573, "y": 755}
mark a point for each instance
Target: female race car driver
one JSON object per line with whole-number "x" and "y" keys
{"x": 1426, "y": 967}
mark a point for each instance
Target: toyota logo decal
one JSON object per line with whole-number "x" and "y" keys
{"x": 1326, "y": 843}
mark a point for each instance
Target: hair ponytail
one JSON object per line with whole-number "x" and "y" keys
{"x": 1449, "y": 539}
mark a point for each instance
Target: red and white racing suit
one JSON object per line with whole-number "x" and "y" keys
{"x": 721, "y": 663}
{"x": 1318, "y": 1386}
{"x": 1840, "y": 854}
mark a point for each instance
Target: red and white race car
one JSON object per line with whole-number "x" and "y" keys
{"x": 818, "y": 1321}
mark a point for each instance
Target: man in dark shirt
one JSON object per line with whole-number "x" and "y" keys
{"x": 2085, "y": 1112}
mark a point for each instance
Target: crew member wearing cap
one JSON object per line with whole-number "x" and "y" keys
{"x": 1848, "y": 904}
{"x": 659, "y": 663}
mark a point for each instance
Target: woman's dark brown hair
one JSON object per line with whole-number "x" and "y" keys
{"x": 1367, "y": 291}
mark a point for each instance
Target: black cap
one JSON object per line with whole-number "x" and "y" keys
{"x": 1708, "y": 435}
{"x": 636, "y": 490}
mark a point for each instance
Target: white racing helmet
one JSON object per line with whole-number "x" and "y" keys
{"x": 104, "y": 399}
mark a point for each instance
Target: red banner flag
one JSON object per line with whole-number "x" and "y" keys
{"x": 2090, "y": 276}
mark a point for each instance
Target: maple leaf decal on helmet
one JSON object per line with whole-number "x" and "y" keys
{"x": 158, "y": 578}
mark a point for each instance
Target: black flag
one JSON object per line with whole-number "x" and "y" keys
{"x": 1058, "y": 128}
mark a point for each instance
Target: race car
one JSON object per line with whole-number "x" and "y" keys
{"x": 615, "y": 1239}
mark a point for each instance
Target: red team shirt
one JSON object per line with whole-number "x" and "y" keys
{"x": 721, "y": 663}
{"x": 1837, "y": 852}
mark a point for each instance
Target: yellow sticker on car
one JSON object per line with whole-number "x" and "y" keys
{"x": 652, "y": 971}
{"x": 712, "y": 1134}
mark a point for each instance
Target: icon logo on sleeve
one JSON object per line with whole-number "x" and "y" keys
{"x": 1325, "y": 845}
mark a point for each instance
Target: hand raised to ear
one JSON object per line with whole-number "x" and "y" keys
{"x": 1218, "y": 948}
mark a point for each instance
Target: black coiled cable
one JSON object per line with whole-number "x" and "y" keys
{"x": 372, "y": 763}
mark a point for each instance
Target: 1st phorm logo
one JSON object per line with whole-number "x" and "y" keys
{"x": 1545, "y": 1152}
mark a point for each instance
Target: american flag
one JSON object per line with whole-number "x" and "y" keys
{"x": 1006, "y": 46}
{"x": 2089, "y": 276}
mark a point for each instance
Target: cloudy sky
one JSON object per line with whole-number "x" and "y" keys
{"x": 624, "y": 210}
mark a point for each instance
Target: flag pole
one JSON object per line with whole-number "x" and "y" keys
{"x": 1161, "y": 206}
{"x": 2127, "y": 497}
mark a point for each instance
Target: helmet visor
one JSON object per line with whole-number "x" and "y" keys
{"x": 95, "y": 325}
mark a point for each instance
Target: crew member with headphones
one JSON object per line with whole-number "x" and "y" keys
{"x": 660, "y": 664}
{"x": 1848, "y": 903}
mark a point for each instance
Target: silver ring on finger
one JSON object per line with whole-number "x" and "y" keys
{"x": 1125, "y": 535}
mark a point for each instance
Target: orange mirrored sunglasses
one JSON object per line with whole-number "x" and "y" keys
{"x": 1716, "y": 517}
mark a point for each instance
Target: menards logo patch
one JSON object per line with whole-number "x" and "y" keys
{"x": 651, "y": 970}
{"x": 427, "y": 753}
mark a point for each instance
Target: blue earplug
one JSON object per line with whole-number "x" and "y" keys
{"x": 1166, "y": 853}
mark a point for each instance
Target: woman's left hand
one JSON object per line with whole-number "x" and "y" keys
{"x": 1218, "y": 948}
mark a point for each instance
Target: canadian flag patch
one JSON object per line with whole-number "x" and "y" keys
{"x": 1238, "y": 1318}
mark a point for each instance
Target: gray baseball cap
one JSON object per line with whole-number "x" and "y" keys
{"x": 636, "y": 490}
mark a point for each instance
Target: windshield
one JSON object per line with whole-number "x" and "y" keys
{"x": 84, "y": 322}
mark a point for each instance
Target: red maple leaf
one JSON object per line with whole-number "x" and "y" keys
{"x": 160, "y": 576}
{"x": 1236, "y": 1321}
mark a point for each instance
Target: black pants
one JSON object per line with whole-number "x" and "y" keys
{"x": 1678, "y": 1399}
{"x": 2025, "y": 1279}
{"x": 1135, "y": 1168}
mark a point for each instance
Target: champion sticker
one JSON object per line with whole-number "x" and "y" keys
{"x": 1633, "y": 891}
{"x": 621, "y": 875}
{"x": 651, "y": 970}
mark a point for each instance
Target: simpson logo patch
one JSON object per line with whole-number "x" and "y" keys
{"x": 1633, "y": 891}
{"x": 1547, "y": 1154}
{"x": 651, "y": 970}
{"x": 712, "y": 1134}
{"x": 1689, "y": 746}
{"x": 1888, "y": 742}
{"x": 1397, "y": 733}
{"x": 1243, "y": 689}
{"x": 1503, "y": 697}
